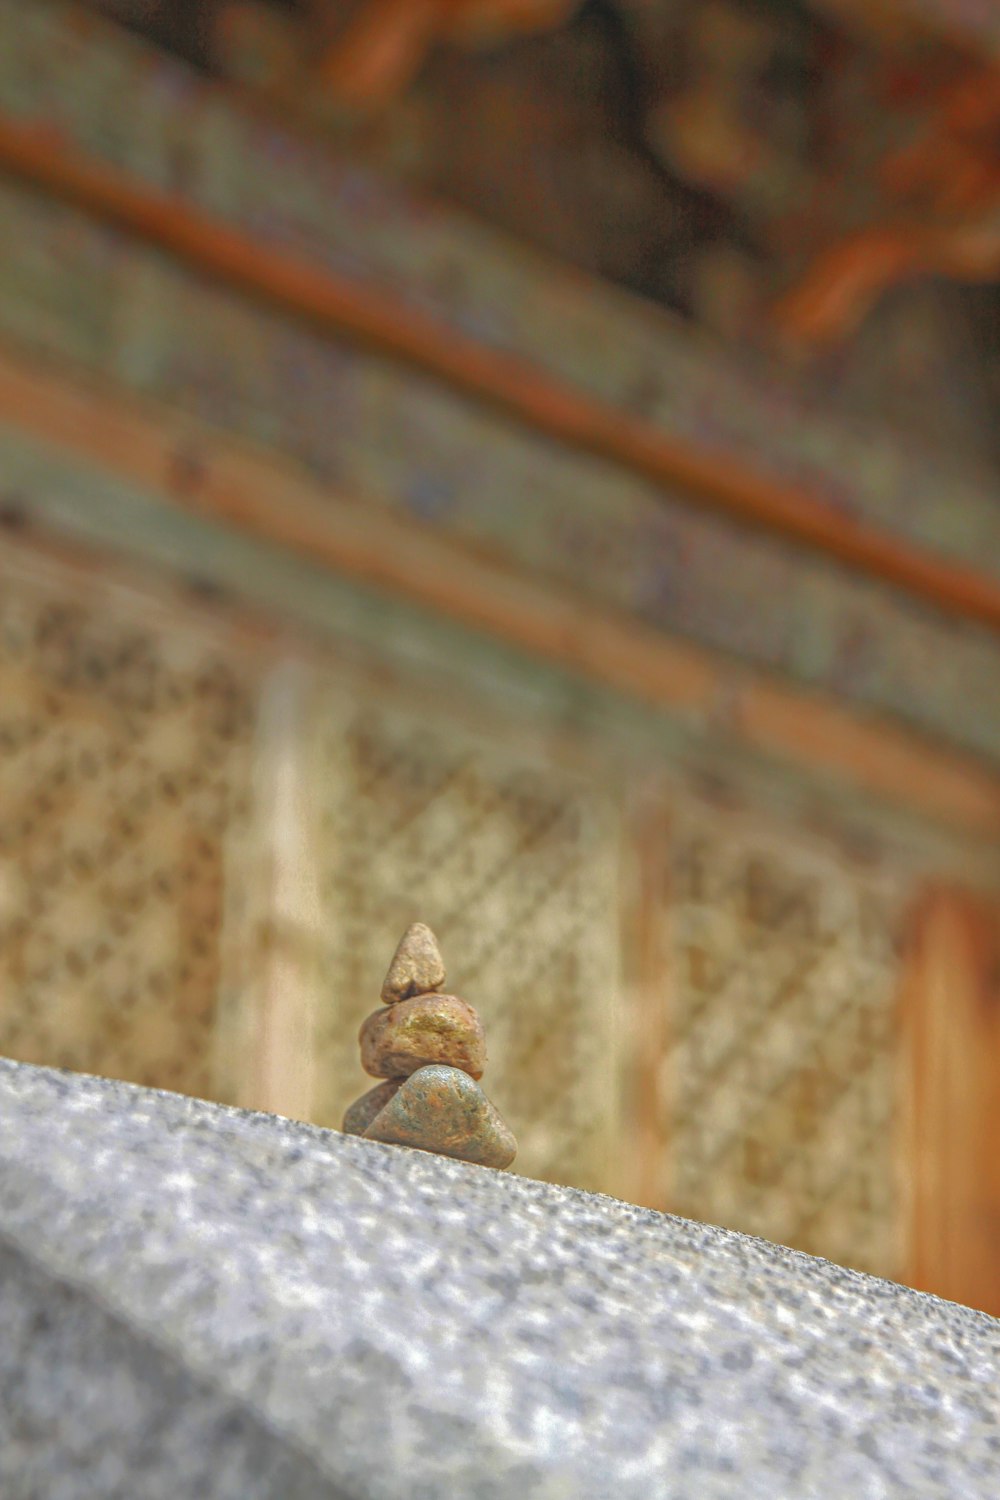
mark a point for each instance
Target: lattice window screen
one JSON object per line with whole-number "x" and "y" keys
{"x": 137, "y": 842}
{"x": 514, "y": 863}
{"x": 780, "y": 1078}
{"x": 124, "y": 759}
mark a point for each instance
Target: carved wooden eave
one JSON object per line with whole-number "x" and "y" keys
{"x": 863, "y": 217}
{"x": 974, "y": 29}
{"x": 374, "y": 58}
{"x": 941, "y": 217}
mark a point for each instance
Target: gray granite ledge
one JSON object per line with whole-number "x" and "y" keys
{"x": 198, "y": 1301}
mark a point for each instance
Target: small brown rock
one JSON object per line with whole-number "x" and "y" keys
{"x": 428, "y": 1029}
{"x": 362, "y": 1112}
{"x": 441, "y": 1109}
{"x": 417, "y": 967}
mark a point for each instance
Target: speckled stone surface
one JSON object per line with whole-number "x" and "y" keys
{"x": 196, "y": 1301}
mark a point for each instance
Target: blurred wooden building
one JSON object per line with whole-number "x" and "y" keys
{"x": 529, "y": 467}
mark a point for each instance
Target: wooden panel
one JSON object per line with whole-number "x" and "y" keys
{"x": 204, "y": 868}
{"x": 744, "y": 1079}
{"x": 377, "y": 319}
{"x": 124, "y": 772}
{"x": 951, "y": 1069}
{"x": 779, "y": 1091}
{"x": 513, "y": 860}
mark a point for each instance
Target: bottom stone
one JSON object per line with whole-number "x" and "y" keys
{"x": 442, "y": 1109}
{"x": 362, "y": 1112}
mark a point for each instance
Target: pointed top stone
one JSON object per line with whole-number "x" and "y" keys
{"x": 417, "y": 967}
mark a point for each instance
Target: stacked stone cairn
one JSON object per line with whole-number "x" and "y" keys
{"x": 430, "y": 1050}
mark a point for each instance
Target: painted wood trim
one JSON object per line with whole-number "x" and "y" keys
{"x": 950, "y": 1081}
{"x": 160, "y": 451}
{"x": 377, "y": 319}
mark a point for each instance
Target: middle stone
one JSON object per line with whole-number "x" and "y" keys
{"x": 412, "y": 1034}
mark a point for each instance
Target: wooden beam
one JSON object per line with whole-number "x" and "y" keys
{"x": 157, "y": 450}
{"x": 349, "y": 309}
{"x": 950, "y": 1034}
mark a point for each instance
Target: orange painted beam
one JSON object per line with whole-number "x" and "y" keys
{"x": 349, "y": 309}
{"x": 225, "y": 480}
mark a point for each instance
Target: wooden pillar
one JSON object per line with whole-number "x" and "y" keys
{"x": 645, "y": 948}
{"x": 950, "y": 1056}
{"x": 266, "y": 1046}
